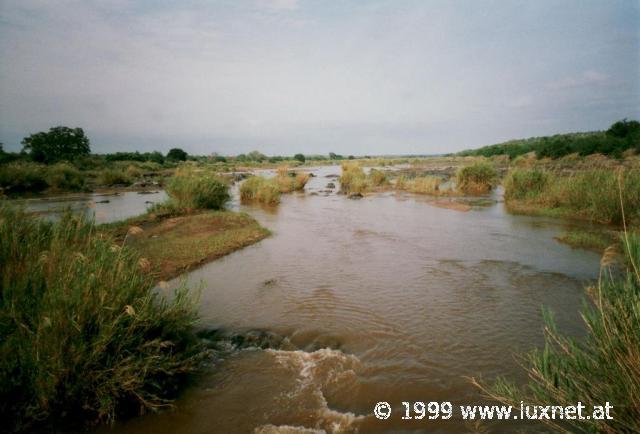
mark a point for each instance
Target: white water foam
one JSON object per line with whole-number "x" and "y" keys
{"x": 317, "y": 371}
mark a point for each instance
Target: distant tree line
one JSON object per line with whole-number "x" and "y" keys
{"x": 621, "y": 136}
{"x": 71, "y": 144}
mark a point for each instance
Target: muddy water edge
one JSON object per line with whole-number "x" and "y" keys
{"x": 385, "y": 298}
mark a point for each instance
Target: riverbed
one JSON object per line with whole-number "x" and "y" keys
{"x": 385, "y": 298}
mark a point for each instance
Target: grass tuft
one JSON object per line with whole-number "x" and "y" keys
{"x": 198, "y": 190}
{"x": 82, "y": 332}
{"x": 259, "y": 189}
{"x": 478, "y": 178}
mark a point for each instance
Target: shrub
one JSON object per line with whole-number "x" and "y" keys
{"x": 599, "y": 368}
{"x": 19, "y": 177}
{"x": 64, "y": 176}
{"x": 198, "y": 190}
{"x": 83, "y": 333}
{"x": 377, "y": 178}
{"x": 353, "y": 178}
{"x": 259, "y": 189}
{"x": 425, "y": 185}
{"x": 521, "y": 183}
{"x": 110, "y": 177}
{"x": 477, "y": 178}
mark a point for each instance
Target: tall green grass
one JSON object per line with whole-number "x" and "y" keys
{"x": 64, "y": 176}
{"x": 259, "y": 189}
{"x": 602, "y": 367}
{"x": 83, "y": 334}
{"x": 478, "y": 178}
{"x": 21, "y": 176}
{"x": 198, "y": 190}
{"x": 599, "y": 195}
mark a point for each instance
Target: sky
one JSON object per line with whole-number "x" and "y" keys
{"x": 316, "y": 76}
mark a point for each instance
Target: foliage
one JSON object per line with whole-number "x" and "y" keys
{"x": 198, "y": 190}
{"x": 259, "y": 189}
{"x": 59, "y": 143}
{"x": 299, "y": 157}
{"x": 82, "y": 331}
{"x": 353, "y": 178}
{"x": 378, "y": 178}
{"x": 64, "y": 176}
{"x": 23, "y": 176}
{"x": 110, "y": 177}
{"x": 154, "y": 156}
{"x": 602, "y": 367}
{"x": 476, "y": 178}
{"x": 177, "y": 154}
{"x": 622, "y": 135}
{"x": 419, "y": 184}
{"x": 599, "y": 195}
{"x": 521, "y": 183}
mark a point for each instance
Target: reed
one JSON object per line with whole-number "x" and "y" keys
{"x": 83, "y": 334}
{"x": 602, "y": 367}
{"x": 478, "y": 178}
{"x": 259, "y": 189}
{"x": 198, "y": 190}
{"x": 599, "y": 195}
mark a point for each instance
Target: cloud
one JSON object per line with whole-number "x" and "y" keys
{"x": 236, "y": 76}
{"x": 587, "y": 78}
{"x": 289, "y": 5}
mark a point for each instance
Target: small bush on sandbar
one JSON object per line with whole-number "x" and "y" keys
{"x": 291, "y": 181}
{"x": 419, "y": 185}
{"x": 478, "y": 178}
{"x": 259, "y": 189}
{"x": 83, "y": 333}
{"x": 377, "y": 178}
{"x": 198, "y": 190}
{"x": 599, "y": 368}
{"x": 353, "y": 178}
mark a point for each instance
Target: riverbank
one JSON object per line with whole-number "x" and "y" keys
{"x": 84, "y": 337}
{"x": 172, "y": 245}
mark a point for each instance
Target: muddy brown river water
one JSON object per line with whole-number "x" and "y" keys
{"x": 386, "y": 298}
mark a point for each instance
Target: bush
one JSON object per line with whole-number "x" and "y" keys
{"x": 64, "y": 176}
{"x": 110, "y": 177}
{"x": 259, "y": 189}
{"x": 600, "y": 368}
{"x": 521, "y": 183}
{"x": 477, "y": 178}
{"x": 290, "y": 181}
{"x": 378, "y": 178}
{"x": 83, "y": 333}
{"x": 198, "y": 190}
{"x": 20, "y": 177}
{"x": 353, "y": 178}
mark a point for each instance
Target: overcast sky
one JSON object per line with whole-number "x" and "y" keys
{"x": 313, "y": 76}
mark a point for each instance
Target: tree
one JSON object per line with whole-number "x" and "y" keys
{"x": 60, "y": 143}
{"x": 176, "y": 154}
{"x": 624, "y": 128}
{"x": 299, "y": 157}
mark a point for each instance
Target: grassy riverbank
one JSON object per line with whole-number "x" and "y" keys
{"x": 84, "y": 336}
{"x": 600, "y": 368}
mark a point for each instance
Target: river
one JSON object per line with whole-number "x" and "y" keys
{"x": 386, "y": 298}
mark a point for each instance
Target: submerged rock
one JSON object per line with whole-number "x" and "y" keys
{"x": 355, "y": 196}
{"x": 331, "y": 185}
